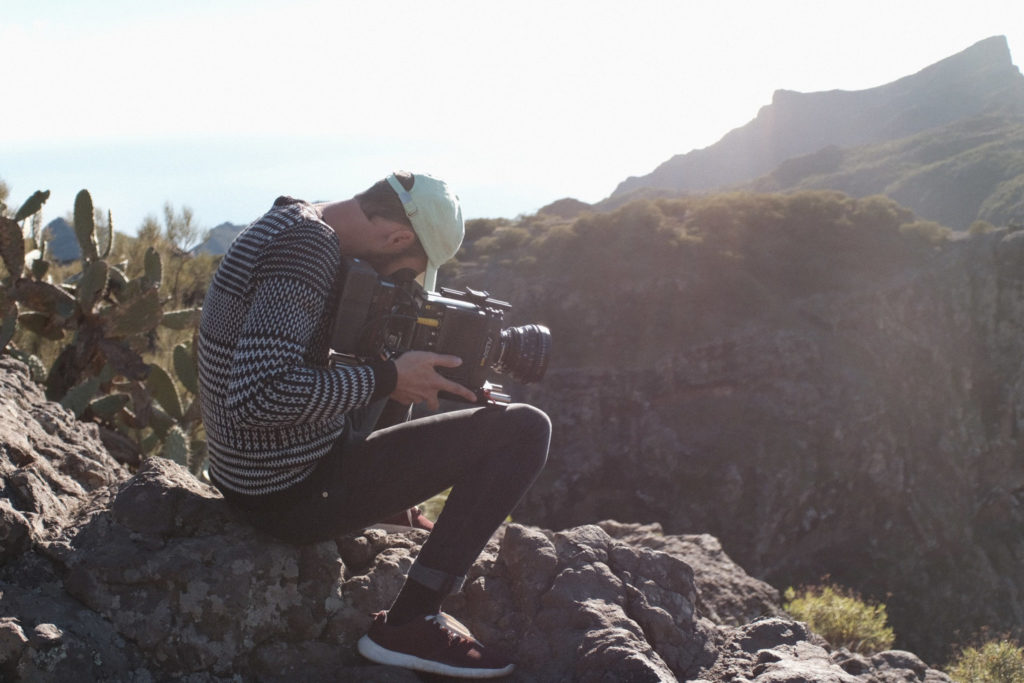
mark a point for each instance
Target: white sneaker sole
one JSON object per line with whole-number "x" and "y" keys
{"x": 395, "y": 528}
{"x": 380, "y": 655}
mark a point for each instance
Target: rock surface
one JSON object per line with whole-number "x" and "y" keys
{"x": 150, "y": 577}
{"x": 870, "y": 431}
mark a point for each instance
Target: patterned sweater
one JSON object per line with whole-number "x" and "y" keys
{"x": 272, "y": 404}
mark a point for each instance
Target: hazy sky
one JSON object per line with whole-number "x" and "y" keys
{"x": 222, "y": 105}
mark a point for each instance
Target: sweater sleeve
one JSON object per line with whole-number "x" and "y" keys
{"x": 271, "y": 381}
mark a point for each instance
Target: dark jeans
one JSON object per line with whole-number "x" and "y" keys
{"x": 489, "y": 457}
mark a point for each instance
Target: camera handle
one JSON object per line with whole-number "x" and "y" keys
{"x": 487, "y": 395}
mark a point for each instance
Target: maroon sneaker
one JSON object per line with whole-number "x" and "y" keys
{"x": 413, "y": 518}
{"x": 436, "y": 644}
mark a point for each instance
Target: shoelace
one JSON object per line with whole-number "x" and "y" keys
{"x": 455, "y": 629}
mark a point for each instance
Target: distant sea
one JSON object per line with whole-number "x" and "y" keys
{"x": 230, "y": 180}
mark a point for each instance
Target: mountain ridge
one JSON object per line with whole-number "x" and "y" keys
{"x": 980, "y": 80}
{"x": 966, "y": 171}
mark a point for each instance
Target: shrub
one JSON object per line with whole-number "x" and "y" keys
{"x": 929, "y": 231}
{"x": 841, "y": 617}
{"x": 980, "y": 227}
{"x": 997, "y": 661}
{"x": 482, "y": 227}
{"x": 502, "y": 240}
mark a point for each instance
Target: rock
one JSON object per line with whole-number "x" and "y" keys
{"x": 12, "y": 641}
{"x": 45, "y": 636}
{"x": 728, "y": 595}
{"x": 223, "y": 590}
{"x": 152, "y": 577}
{"x": 893, "y": 666}
{"x": 15, "y": 532}
{"x": 870, "y": 432}
{"x": 777, "y": 650}
{"x": 51, "y": 465}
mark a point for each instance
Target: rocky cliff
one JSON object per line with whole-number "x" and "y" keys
{"x": 870, "y": 429}
{"x": 105, "y": 575}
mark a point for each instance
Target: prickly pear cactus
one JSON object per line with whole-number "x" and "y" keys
{"x": 12, "y": 254}
{"x": 185, "y": 367}
{"x": 161, "y": 387}
{"x": 105, "y": 322}
{"x": 8, "y": 318}
{"x": 12, "y": 247}
{"x": 32, "y": 205}
{"x": 176, "y": 446}
{"x": 85, "y": 226}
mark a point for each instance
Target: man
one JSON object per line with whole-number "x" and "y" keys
{"x": 278, "y": 416}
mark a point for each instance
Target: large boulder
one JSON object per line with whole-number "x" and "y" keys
{"x": 50, "y": 464}
{"x": 151, "y": 577}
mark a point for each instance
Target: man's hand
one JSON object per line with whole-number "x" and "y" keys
{"x": 418, "y": 379}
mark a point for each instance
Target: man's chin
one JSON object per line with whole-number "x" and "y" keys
{"x": 394, "y": 269}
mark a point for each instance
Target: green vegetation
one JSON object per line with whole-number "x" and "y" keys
{"x": 100, "y": 333}
{"x": 997, "y": 661}
{"x": 682, "y": 269}
{"x": 980, "y": 228}
{"x": 746, "y": 225}
{"x": 927, "y": 230}
{"x": 968, "y": 170}
{"x": 841, "y": 617}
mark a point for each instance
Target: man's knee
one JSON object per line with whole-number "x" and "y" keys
{"x": 531, "y": 421}
{"x": 533, "y": 427}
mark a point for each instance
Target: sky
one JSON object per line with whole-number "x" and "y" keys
{"x": 223, "y": 105}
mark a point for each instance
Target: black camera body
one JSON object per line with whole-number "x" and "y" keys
{"x": 378, "y": 317}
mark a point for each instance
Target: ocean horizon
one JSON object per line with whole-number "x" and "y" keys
{"x": 235, "y": 180}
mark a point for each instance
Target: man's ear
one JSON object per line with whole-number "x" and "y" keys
{"x": 399, "y": 240}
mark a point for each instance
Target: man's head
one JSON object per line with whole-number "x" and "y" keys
{"x": 426, "y": 205}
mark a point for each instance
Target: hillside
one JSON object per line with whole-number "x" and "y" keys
{"x": 976, "y": 96}
{"x": 829, "y": 385}
{"x": 62, "y": 243}
{"x": 218, "y": 239}
{"x": 968, "y": 170}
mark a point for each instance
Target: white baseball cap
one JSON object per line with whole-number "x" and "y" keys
{"x": 436, "y": 218}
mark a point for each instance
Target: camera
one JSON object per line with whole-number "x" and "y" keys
{"x": 378, "y": 317}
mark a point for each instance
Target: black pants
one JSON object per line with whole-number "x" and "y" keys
{"x": 489, "y": 457}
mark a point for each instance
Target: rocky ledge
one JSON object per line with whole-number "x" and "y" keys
{"x": 109, "y": 575}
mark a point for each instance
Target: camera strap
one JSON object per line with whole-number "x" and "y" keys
{"x": 404, "y": 195}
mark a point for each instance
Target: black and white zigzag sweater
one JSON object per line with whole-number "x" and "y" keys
{"x": 272, "y": 404}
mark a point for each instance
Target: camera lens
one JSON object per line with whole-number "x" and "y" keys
{"x": 524, "y": 352}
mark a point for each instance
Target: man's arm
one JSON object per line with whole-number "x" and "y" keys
{"x": 272, "y": 383}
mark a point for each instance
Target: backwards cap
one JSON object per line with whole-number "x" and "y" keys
{"x": 436, "y": 218}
